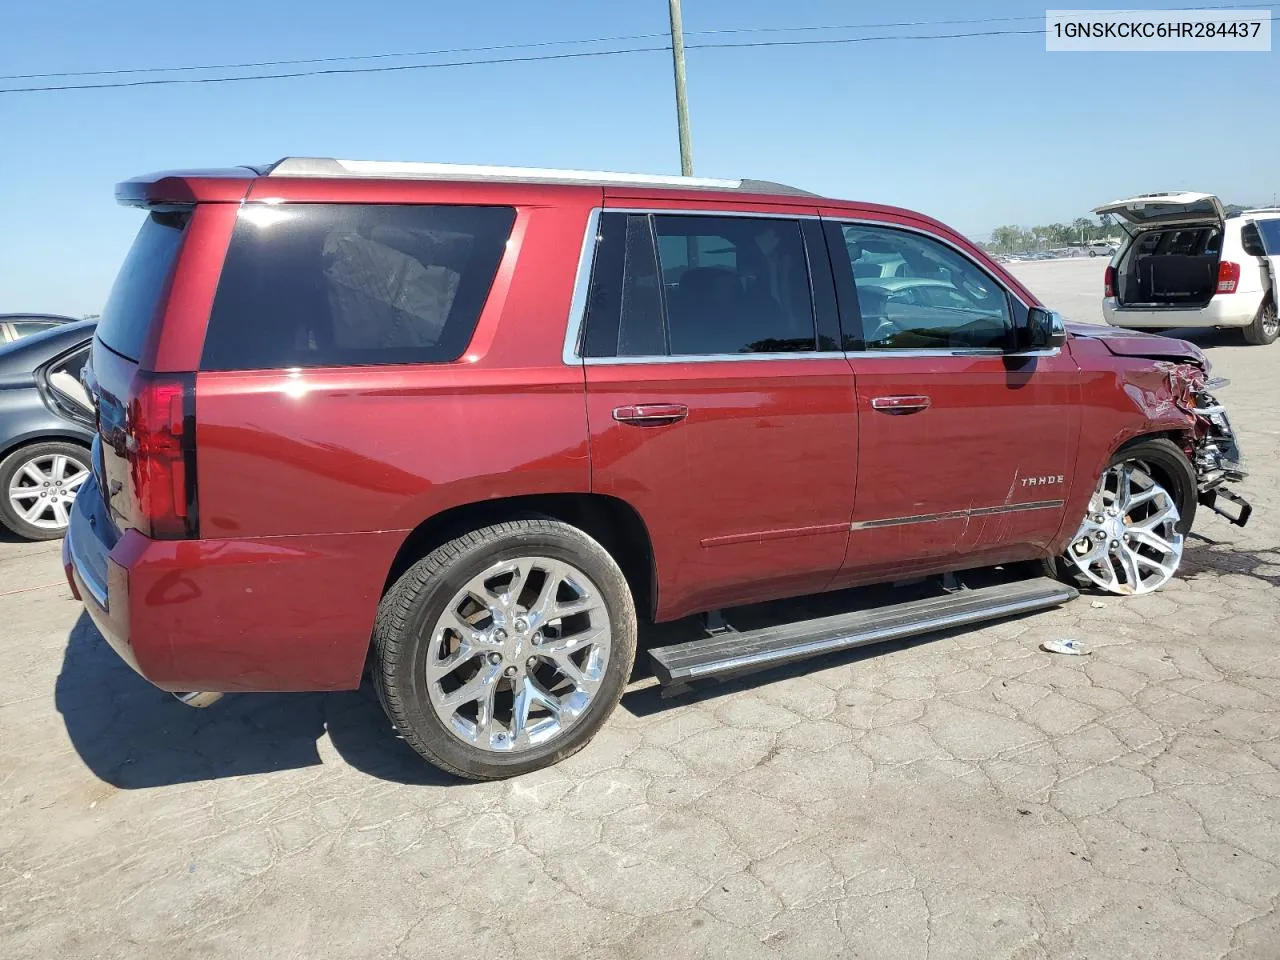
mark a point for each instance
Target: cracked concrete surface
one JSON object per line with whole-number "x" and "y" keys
{"x": 970, "y": 796}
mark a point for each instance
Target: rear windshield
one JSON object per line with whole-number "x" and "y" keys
{"x": 307, "y": 285}
{"x": 135, "y": 296}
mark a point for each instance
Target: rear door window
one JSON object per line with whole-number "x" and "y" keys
{"x": 135, "y": 297}
{"x": 307, "y": 285}
{"x": 708, "y": 286}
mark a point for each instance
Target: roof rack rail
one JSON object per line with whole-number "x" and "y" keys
{"x": 412, "y": 170}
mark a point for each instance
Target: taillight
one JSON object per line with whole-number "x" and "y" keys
{"x": 161, "y": 449}
{"x": 1228, "y": 276}
{"x": 1109, "y": 282}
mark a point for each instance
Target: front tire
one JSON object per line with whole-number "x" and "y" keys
{"x": 506, "y": 649}
{"x": 1131, "y": 539}
{"x": 38, "y": 484}
{"x": 1265, "y": 327}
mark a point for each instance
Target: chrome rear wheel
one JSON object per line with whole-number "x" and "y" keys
{"x": 1129, "y": 542}
{"x": 519, "y": 654}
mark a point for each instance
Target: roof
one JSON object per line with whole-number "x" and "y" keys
{"x": 328, "y": 167}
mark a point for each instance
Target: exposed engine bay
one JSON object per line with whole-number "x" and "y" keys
{"x": 1216, "y": 454}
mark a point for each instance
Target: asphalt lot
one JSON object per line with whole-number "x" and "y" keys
{"x": 968, "y": 797}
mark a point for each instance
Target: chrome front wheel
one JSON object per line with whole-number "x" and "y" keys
{"x": 1129, "y": 542}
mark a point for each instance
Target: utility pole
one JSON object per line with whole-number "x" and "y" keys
{"x": 682, "y": 97}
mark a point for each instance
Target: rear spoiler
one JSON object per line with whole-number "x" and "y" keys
{"x": 228, "y": 185}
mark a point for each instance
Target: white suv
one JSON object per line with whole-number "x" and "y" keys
{"x": 1186, "y": 264}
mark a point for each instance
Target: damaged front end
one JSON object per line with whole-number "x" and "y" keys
{"x": 1215, "y": 450}
{"x": 1179, "y": 377}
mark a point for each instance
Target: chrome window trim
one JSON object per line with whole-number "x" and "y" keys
{"x": 581, "y": 289}
{"x": 712, "y": 358}
{"x": 712, "y": 212}
{"x": 889, "y": 354}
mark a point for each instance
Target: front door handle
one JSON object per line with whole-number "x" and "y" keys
{"x": 650, "y": 414}
{"x": 900, "y": 405}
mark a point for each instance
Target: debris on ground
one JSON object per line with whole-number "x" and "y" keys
{"x": 1072, "y": 648}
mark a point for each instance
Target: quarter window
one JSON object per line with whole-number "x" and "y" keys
{"x": 915, "y": 293}
{"x": 307, "y": 285}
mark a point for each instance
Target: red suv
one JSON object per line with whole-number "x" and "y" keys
{"x": 467, "y": 426}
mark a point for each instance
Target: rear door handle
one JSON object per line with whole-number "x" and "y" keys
{"x": 650, "y": 414}
{"x": 900, "y": 405}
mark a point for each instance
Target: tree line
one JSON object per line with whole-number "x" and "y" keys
{"x": 1081, "y": 230}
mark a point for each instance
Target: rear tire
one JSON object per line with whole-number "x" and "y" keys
{"x": 1265, "y": 327}
{"x": 38, "y": 484}
{"x": 505, "y": 649}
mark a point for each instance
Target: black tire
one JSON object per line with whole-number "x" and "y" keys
{"x": 1170, "y": 466}
{"x": 1093, "y": 253}
{"x": 1265, "y": 327}
{"x": 406, "y": 614}
{"x": 9, "y": 470}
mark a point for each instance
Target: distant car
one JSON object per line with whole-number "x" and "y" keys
{"x": 1187, "y": 264}
{"x": 1103, "y": 248}
{"x": 15, "y": 326}
{"x": 46, "y": 426}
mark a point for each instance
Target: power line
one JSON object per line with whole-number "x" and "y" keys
{"x": 396, "y": 68}
{"x": 343, "y": 59}
{"x": 532, "y": 45}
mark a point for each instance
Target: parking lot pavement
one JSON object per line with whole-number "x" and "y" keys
{"x": 970, "y": 796}
{"x": 1072, "y": 286}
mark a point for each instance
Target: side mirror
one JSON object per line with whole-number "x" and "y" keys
{"x": 1045, "y": 330}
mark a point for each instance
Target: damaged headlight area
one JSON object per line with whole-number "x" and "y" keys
{"x": 1216, "y": 451}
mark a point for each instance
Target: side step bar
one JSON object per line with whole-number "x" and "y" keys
{"x": 733, "y": 654}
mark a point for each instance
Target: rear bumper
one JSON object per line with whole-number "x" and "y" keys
{"x": 276, "y": 614}
{"x": 1227, "y": 310}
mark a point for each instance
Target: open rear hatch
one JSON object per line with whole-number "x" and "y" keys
{"x": 1174, "y": 256}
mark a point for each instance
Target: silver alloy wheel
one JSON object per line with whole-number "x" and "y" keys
{"x": 43, "y": 488}
{"x": 1270, "y": 321}
{"x": 519, "y": 654}
{"x": 1129, "y": 542}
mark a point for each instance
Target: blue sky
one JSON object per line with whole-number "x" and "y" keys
{"x": 977, "y": 131}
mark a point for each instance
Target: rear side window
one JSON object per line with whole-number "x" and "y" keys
{"x": 135, "y": 297}
{"x": 24, "y": 327}
{"x": 310, "y": 285}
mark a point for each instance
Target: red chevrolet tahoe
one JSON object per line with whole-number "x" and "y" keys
{"x": 467, "y": 426}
